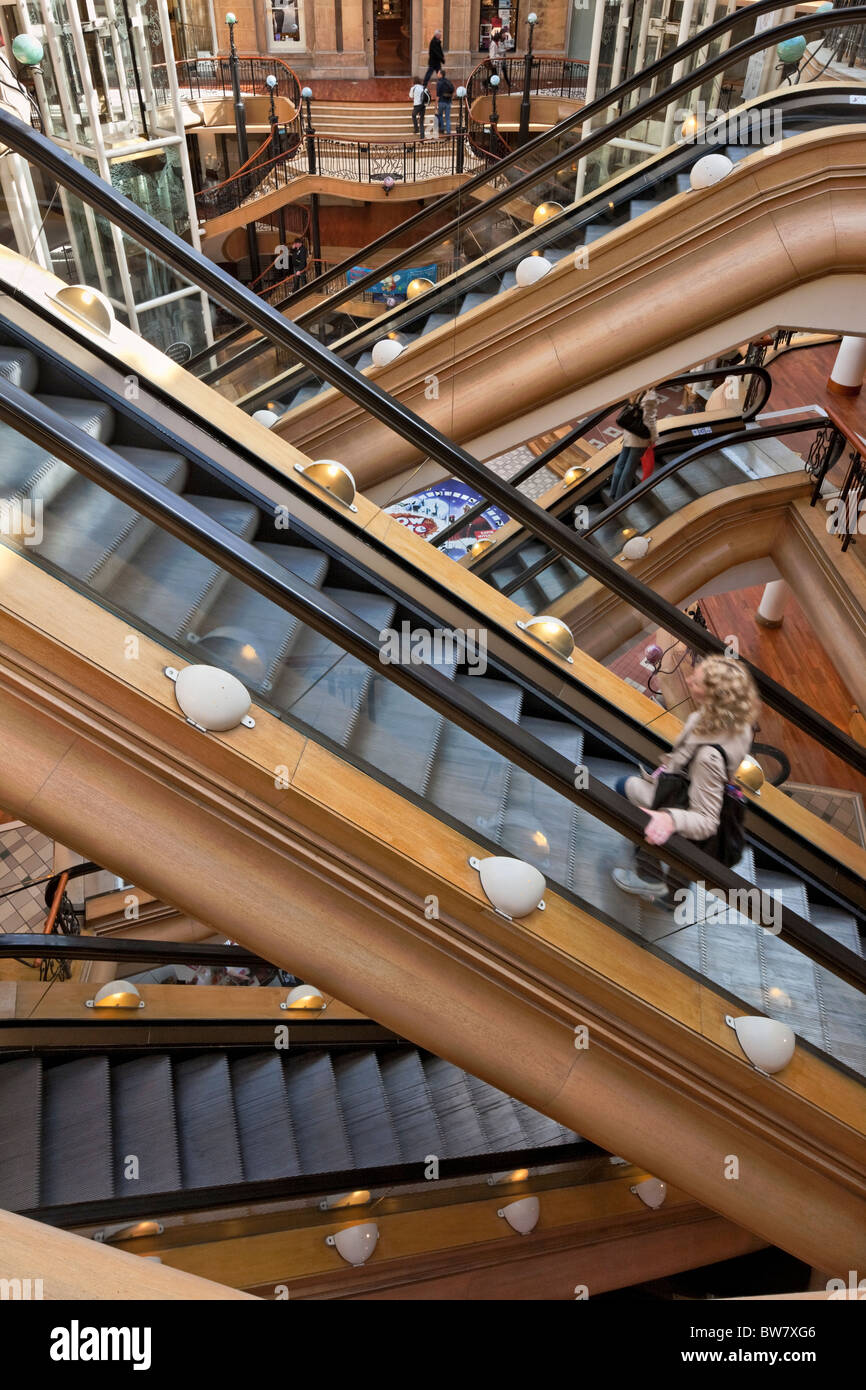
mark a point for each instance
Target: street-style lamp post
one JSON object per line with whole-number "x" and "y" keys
{"x": 241, "y": 131}
{"x": 461, "y": 129}
{"x": 494, "y": 114}
{"x": 523, "y": 131}
{"x": 271, "y": 84}
{"x": 310, "y": 134}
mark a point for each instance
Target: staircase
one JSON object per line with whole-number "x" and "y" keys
{"x": 376, "y": 121}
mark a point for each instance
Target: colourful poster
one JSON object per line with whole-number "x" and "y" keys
{"x": 392, "y": 286}
{"x": 429, "y": 512}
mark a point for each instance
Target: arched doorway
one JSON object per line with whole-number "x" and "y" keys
{"x": 392, "y": 38}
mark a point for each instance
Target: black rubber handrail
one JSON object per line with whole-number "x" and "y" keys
{"x": 175, "y": 514}
{"x": 647, "y": 75}
{"x": 191, "y": 264}
{"x": 673, "y": 466}
{"x": 24, "y": 945}
{"x": 584, "y": 426}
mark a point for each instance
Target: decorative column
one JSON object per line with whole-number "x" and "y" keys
{"x": 849, "y": 369}
{"x": 771, "y": 609}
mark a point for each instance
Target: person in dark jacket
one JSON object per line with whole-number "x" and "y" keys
{"x": 444, "y": 94}
{"x": 435, "y": 57}
{"x": 299, "y": 265}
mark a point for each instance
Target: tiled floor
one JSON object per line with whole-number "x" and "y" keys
{"x": 842, "y": 809}
{"x": 24, "y": 854}
{"x": 507, "y": 464}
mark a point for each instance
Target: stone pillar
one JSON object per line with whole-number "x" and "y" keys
{"x": 771, "y": 609}
{"x": 849, "y": 369}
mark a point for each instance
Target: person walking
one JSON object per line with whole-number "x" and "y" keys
{"x": 444, "y": 95}
{"x": 639, "y": 421}
{"x": 713, "y": 742}
{"x": 435, "y": 57}
{"x": 419, "y": 97}
{"x": 299, "y": 265}
{"x": 501, "y": 44}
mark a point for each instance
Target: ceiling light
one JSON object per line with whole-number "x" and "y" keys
{"x": 545, "y": 211}
{"x": 514, "y": 887}
{"x": 768, "y": 1044}
{"x": 355, "y": 1243}
{"x": 522, "y": 1215}
{"x": 420, "y": 285}
{"x": 212, "y": 699}
{"x": 574, "y": 475}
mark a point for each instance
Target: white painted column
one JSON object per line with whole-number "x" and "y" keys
{"x": 591, "y": 84}
{"x": 771, "y": 609}
{"x": 849, "y": 369}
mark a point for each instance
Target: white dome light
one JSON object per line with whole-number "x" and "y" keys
{"x": 211, "y": 698}
{"x": 385, "y": 351}
{"x": 332, "y": 477}
{"x": 531, "y": 269}
{"x": 266, "y": 417}
{"x": 522, "y": 1215}
{"x": 355, "y": 1243}
{"x": 88, "y": 305}
{"x": 636, "y": 548}
{"x": 117, "y": 994}
{"x": 768, "y": 1044}
{"x": 652, "y": 1192}
{"x": 304, "y": 997}
{"x": 514, "y": 887}
{"x": 712, "y": 168}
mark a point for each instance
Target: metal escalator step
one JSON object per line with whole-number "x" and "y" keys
{"x": 468, "y": 779}
{"x": 317, "y": 1121}
{"x": 497, "y": 1115}
{"x": 88, "y": 532}
{"x": 246, "y": 633}
{"x": 207, "y": 1130}
{"x": 472, "y": 301}
{"x": 672, "y": 495}
{"x": 594, "y": 231}
{"x": 683, "y": 183}
{"x": 411, "y": 1105}
{"x": 142, "y": 1109}
{"x": 27, "y": 470}
{"x": 842, "y": 1004}
{"x": 76, "y": 1133}
{"x": 268, "y": 1148}
{"x": 170, "y": 584}
{"x": 320, "y": 684}
{"x": 20, "y": 1125}
{"x": 539, "y": 825}
{"x": 461, "y": 1128}
{"x": 737, "y": 152}
{"x": 638, "y": 206}
{"x": 540, "y": 1129}
{"x": 366, "y": 1113}
{"x": 397, "y": 734}
{"x": 435, "y": 321}
{"x": 840, "y": 925}
{"x": 21, "y": 367}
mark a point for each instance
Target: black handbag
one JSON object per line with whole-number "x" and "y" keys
{"x": 729, "y": 841}
{"x": 631, "y": 418}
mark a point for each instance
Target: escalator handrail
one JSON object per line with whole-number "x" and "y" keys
{"x": 24, "y": 945}
{"x": 97, "y": 462}
{"x": 583, "y": 146}
{"x": 589, "y": 423}
{"x": 222, "y": 287}
{"x": 673, "y": 466}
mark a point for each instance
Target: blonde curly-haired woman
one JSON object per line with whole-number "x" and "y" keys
{"x": 727, "y": 709}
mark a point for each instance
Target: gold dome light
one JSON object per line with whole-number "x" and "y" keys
{"x": 574, "y": 475}
{"x": 332, "y": 477}
{"x": 420, "y": 285}
{"x": 88, "y": 305}
{"x": 479, "y": 547}
{"x": 750, "y": 775}
{"x": 544, "y": 212}
{"x": 552, "y": 633}
{"x": 117, "y": 994}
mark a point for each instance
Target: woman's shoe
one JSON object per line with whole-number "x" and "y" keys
{"x": 630, "y": 882}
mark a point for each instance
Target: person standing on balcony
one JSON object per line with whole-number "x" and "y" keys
{"x": 419, "y": 97}
{"x": 299, "y": 265}
{"x": 444, "y": 94}
{"x": 498, "y": 53}
{"x": 435, "y": 57}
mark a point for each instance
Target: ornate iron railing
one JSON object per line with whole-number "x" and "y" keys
{"x": 203, "y": 78}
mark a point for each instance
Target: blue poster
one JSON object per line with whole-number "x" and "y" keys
{"x": 393, "y": 287}
{"x": 429, "y": 512}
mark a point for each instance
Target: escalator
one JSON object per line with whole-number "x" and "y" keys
{"x": 219, "y": 1121}
{"x": 378, "y": 728}
{"x": 540, "y": 171}
{"x": 388, "y": 775}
